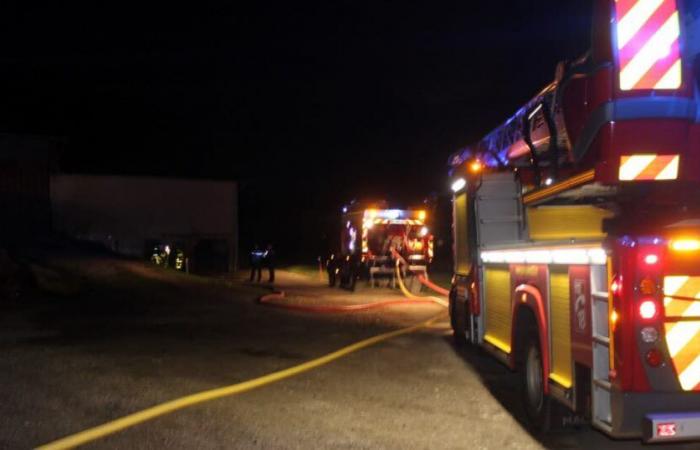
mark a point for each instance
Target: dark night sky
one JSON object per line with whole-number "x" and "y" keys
{"x": 308, "y": 104}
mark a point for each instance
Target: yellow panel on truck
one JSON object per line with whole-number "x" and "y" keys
{"x": 461, "y": 227}
{"x": 566, "y": 222}
{"x": 560, "y": 319}
{"x": 498, "y": 307}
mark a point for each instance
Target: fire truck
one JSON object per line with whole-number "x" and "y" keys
{"x": 576, "y": 228}
{"x": 372, "y": 236}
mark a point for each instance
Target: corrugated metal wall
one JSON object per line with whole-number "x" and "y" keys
{"x": 560, "y": 320}
{"x": 498, "y": 307}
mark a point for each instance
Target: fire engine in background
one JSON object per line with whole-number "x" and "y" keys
{"x": 577, "y": 230}
{"x": 370, "y": 232}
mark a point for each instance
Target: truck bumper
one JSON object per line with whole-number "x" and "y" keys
{"x": 656, "y": 417}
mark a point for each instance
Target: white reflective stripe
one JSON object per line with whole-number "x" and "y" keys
{"x": 564, "y": 256}
{"x": 672, "y": 79}
{"x": 574, "y": 256}
{"x": 656, "y": 48}
{"x": 635, "y": 19}
{"x": 672, "y": 285}
{"x": 670, "y": 172}
{"x": 691, "y": 375}
{"x": 539, "y": 257}
{"x": 634, "y": 165}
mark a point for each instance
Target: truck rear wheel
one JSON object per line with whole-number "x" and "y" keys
{"x": 537, "y": 404}
{"x": 458, "y": 319}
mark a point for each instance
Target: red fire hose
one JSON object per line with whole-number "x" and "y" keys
{"x": 274, "y": 298}
{"x": 426, "y": 282}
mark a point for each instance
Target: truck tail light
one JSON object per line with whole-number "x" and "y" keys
{"x": 648, "y": 310}
{"x": 614, "y": 317}
{"x": 651, "y": 259}
{"x": 616, "y": 286}
{"x": 654, "y": 357}
{"x": 650, "y": 335}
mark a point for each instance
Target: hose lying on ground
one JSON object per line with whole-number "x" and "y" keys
{"x": 429, "y": 284}
{"x": 402, "y": 286}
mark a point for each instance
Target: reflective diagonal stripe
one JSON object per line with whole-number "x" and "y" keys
{"x": 631, "y": 166}
{"x": 683, "y": 338}
{"x": 648, "y": 167}
{"x": 634, "y": 19}
{"x": 648, "y": 33}
{"x": 672, "y": 79}
{"x": 690, "y": 377}
{"x": 670, "y": 172}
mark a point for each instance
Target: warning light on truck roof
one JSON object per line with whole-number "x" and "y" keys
{"x": 685, "y": 245}
{"x": 476, "y": 166}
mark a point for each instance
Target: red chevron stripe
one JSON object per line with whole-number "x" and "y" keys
{"x": 697, "y": 388}
{"x": 648, "y": 30}
{"x": 622, "y": 7}
{"x": 658, "y": 70}
{"x": 654, "y": 168}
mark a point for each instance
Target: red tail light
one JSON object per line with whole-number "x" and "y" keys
{"x": 654, "y": 358}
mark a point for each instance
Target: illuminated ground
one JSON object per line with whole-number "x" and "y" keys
{"x": 136, "y": 336}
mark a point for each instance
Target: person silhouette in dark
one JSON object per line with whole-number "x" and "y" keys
{"x": 256, "y": 260}
{"x": 270, "y": 262}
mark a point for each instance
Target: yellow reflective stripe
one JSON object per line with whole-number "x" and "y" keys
{"x": 678, "y": 336}
{"x": 682, "y": 337}
{"x": 499, "y": 344}
{"x": 690, "y": 377}
{"x": 649, "y": 54}
{"x": 632, "y": 166}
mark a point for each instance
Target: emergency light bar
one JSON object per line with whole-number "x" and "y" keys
{"x": 394, "y": 214}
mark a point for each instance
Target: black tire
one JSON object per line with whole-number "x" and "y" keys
{"x": 458, "y": 320}
{"x": 537, "y": 404}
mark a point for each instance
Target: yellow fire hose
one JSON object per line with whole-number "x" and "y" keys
{"x": 406, "y": 292}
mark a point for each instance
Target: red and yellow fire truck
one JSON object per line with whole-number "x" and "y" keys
{"x": 577, "y": 230}
{"x": 372, "y": 235}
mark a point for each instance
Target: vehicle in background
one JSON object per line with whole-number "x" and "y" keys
{"x": 577, "y": 231}
{"x": 373, "y": 236}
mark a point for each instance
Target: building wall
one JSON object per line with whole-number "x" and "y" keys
{"x": 25, "y": 165}
{"x": 128, "y": 213}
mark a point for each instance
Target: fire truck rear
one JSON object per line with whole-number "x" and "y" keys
{"x": 577, "y": 230}
{"x": 372, "y": 236}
